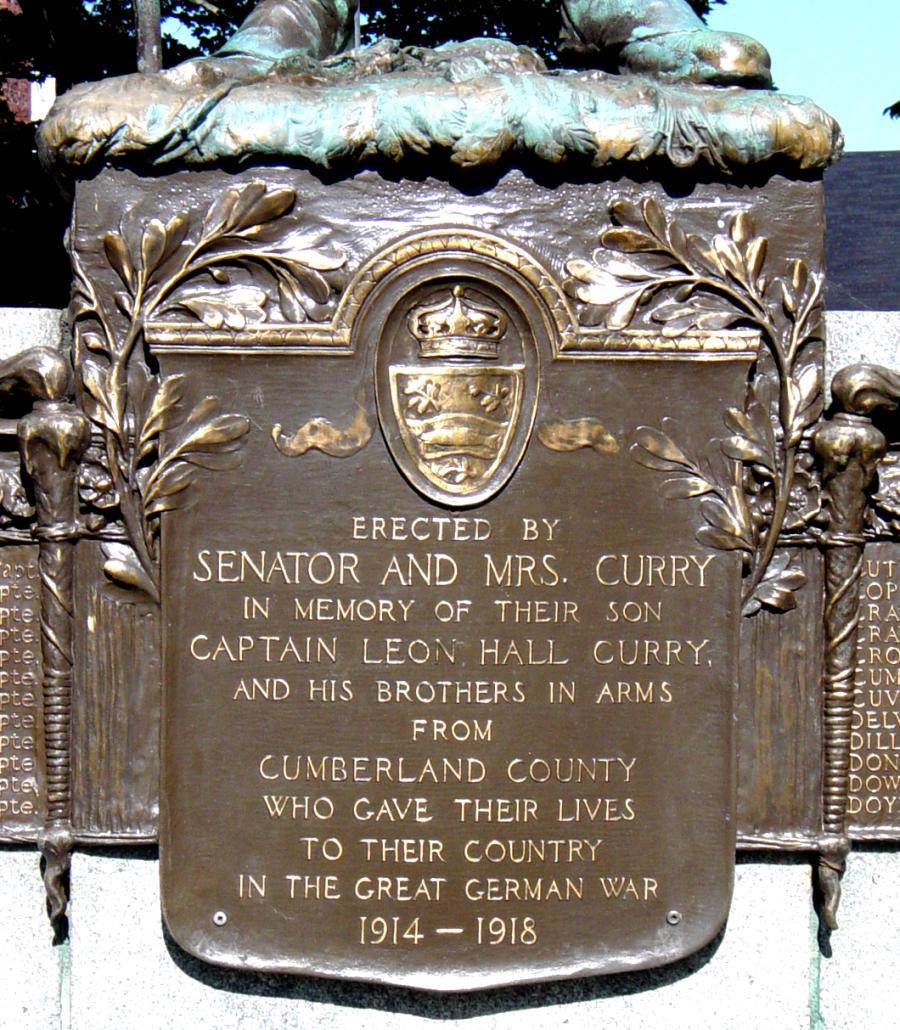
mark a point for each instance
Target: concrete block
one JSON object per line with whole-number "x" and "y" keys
{"x": 861, "y": 336}
{"x": 28, "y": 327}
{"x": 757, "y": 975}
{"x": 858, "y": 981}
{"x": 31, "y": 968}
{"x": 125, "y": 972}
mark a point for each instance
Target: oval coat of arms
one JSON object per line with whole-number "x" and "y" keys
{"x": 457, "y": 381}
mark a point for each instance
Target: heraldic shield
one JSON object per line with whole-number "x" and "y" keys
{"x": 457, "y": 423}
{"x": 459, "y": 375}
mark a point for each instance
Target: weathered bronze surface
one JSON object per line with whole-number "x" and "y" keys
{"x": 52, "y": 438}
{"x": 443, "y": 714}
{"x": 666, "y": 39}
{"x": 685, "y": 96}
{"x": 240, "y": 265}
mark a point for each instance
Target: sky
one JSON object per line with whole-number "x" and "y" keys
{"x": 845, "y": 54}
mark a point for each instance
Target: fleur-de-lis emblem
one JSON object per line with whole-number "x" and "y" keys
{"x": 492, "y": 398}
{"x": 423, "y": 394}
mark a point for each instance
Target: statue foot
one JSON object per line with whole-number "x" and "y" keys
{"x": 209, "y": 72}
{"x": 662, "y": 38}
{"x": 719, "y": 58}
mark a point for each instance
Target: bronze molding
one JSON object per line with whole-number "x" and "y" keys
{"x": 570, "y": 339}
{"x": 52, "y": 438}
{"x": 721, "y": 284}
{"x": 567, "y": 435}
{"x": 849, "y": 448}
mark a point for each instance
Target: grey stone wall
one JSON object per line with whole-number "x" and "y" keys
{"x": 28, "y": 327}
{"x": 769, "y": 969}
{"x": 861, "y": 336}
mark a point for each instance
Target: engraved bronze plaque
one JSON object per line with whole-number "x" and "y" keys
{"x": 873, "y": 805}
{"x": 544, "y": 234}
{"x": 449, "y": 681}
{"x": 21, "y": 805}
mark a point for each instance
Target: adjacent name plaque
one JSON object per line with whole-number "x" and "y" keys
{"x": 874, "y": 800}
{"x": 448, "y": 681}
{"x": 20, "y": 690}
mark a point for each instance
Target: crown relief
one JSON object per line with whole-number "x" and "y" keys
{"x": 458, "y": 327}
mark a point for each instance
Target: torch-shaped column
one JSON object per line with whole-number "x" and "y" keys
{"x": 849, "y": 448}
{"x": 52, "y": 438}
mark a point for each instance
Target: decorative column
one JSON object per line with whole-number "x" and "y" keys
{"x": 52, "y": 438}
{"x": 849, "y": 448}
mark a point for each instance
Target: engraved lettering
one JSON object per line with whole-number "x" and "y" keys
{"x": 874, "y": 794}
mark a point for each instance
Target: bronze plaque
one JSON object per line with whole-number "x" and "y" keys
{"x": 873, "y": 805}
{"x": 21, "y": 806}
{"x": 448, "y": 680}
{"x": 345, "y": 228}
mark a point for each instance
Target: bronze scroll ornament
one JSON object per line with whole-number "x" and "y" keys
{"x": 849, "y": 448}
{"x": 686, "y": 283}
{"x": 162, "y": 271}
{"x": 52, "y": 438}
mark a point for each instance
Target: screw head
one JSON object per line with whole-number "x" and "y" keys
{"x": 219, "y": 918}
{"x": 674, "y": 917}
